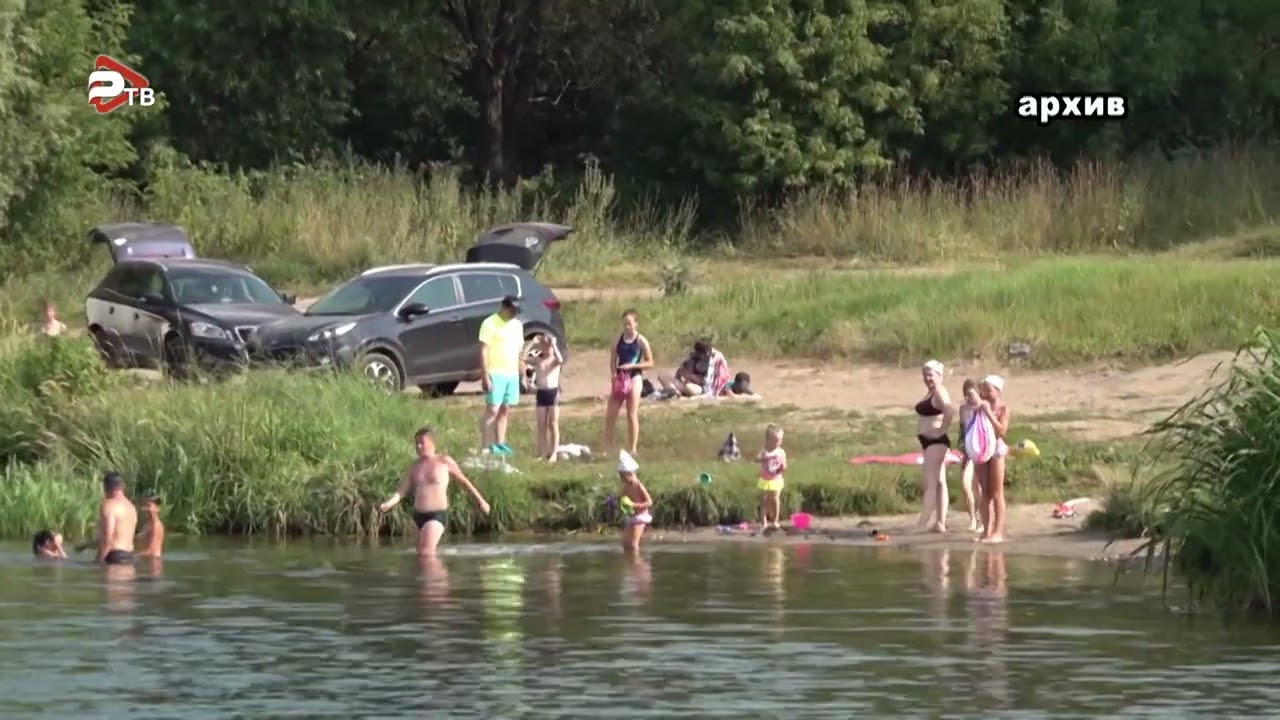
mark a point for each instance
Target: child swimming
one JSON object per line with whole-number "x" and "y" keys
{"x": 773, "y": 463}
{"x": 635, "y": 501}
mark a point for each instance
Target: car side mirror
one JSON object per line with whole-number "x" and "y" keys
{"x": 153, "y": 298}
{"x": 412, "y": 310}
{"x": 289, "y": 299}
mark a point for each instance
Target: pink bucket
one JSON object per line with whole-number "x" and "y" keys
{"x": 800, "y": 521}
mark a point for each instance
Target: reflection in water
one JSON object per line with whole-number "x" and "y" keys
{"x": 433, "y": 582}
{"x": 121, "y": 588}
{"x": 935, "y": 566}
{"x": 986, "y": 583}
{"x": 637, "y": 577}
{"x": 333, "y": 633}
{"x": 773, "y": 578}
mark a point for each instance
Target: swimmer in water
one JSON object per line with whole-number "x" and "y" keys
{"x": 637, "y": 498}
{"x": 47, "y": 545}
{"x": 117, "y": 523}
{"x": 428, "y": 480}
{"x": 152, "y": 536}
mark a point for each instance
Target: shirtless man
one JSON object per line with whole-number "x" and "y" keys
{"x": 152, "y": 536}
{"x": 117, "y": 522}
{"x": 428, "y": 480}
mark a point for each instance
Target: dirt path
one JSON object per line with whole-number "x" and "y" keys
{"x": 1032, "y": 531}
{"x": 1116, "y": 403}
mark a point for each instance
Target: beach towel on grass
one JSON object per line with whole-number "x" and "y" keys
{"x": 913, "y": 458}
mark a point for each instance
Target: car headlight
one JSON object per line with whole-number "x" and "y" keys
{"x": 331, "y": 333}
{"x": 205, "y": 330}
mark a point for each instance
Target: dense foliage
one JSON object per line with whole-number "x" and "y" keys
{"x": 725, "y": 100}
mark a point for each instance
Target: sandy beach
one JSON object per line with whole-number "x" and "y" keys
{"x": 1032, "y": 531}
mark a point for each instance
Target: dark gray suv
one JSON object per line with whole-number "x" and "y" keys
{"x": 405, "y": 325}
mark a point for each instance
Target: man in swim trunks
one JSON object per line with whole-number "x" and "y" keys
{"x": 428, "y": 480}
{"x": 117, "y": 523}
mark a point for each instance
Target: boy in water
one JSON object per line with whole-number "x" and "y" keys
{"x": 428, "y": 480}
{"x": 773, "y": 463}
{"x": 635, "y": 501}
{"x": 47, "y": 544}
{"x": 152, "y": 536}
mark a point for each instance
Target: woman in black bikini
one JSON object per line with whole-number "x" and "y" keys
{"x": 934, "y": 413}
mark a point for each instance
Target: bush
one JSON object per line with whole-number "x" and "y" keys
{"x": 1223, "y": 489}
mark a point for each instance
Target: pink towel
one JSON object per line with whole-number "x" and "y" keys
{"x": 718, "y": 375}
{"x": 915, "y": 458}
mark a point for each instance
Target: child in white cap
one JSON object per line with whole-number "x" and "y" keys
{"x": 991, "y": 473}
{"x": 635, "y": 502}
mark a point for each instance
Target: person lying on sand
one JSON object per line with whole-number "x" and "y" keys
{"x": 428, "y": 480}
{"x": 47, "y": 545}
{"x": 152, "y": 536}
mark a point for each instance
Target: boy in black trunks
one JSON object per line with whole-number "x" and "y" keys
{"x": 428, "y": 480}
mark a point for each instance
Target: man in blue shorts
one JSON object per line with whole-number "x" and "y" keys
{"x": 501, "y": 367}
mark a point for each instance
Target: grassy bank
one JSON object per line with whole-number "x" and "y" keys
{"x": 1215, "y": 508}
{"x": 289, "y": 454}
{"x": 306, "y": 227}
{"x": 1066, "y": 310}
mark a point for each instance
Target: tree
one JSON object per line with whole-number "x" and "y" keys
{"x": 55, "y": 145}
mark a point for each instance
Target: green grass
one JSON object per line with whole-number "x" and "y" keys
{"x": 304, "y": 228}
{"x": 1220, "y": 497}
{"x": 1068, "y": 310}
{"x": 285, "y": 454}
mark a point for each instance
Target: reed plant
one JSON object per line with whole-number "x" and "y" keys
{"x": 1221, "y": 530}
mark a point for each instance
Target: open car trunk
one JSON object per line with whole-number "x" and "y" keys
{"x": 126, "y": 241}
{"x": 522, "y": 244}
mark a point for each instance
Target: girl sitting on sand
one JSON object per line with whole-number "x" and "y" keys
{"x": 773, "y": 463}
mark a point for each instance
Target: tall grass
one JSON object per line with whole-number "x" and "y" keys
{"x": 1222, "y": 527}
{"x": 1146, "y": 204}
{"x": 1066, "y": 311}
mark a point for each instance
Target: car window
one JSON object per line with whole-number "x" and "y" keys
{"x": 371, "y": 294}
{"x": 128, "y": 280}
{"x": 436, "y": 294}
{"x": 195, "y": 286}
{"x": 151, "y": 281}
{"x": 481, "y": 287}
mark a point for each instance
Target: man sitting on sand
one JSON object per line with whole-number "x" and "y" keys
{"x": 47, "y": 545}
{"x": 117, "y": 523}
{"x": 704, "y": 372}
{"x": 428, "y": 480}
{"x": 152, "y": 536}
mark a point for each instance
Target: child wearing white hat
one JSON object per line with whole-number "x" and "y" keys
{"x": 635, "y": 502}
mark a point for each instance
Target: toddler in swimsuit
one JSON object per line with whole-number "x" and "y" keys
{"x": 773, "y": 462}
{"x": 635, "y": 502}
{"x": 546, "y": 383}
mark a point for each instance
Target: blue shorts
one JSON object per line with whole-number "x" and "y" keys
{"x": 503, "y": 390}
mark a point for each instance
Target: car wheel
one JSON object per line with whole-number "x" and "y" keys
{"x": 112, "y": 355}
{"x": 437, "y": 390}
{"x": 379, "y": 369}
{"x": 176, "y": 358}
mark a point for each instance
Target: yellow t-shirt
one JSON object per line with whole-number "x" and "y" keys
{"x": 503, "y": 342}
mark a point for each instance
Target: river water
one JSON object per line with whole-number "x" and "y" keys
{"x": 722, "y": 630}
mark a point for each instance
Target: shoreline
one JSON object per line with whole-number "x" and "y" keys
{"x": 1033, "y": 532}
